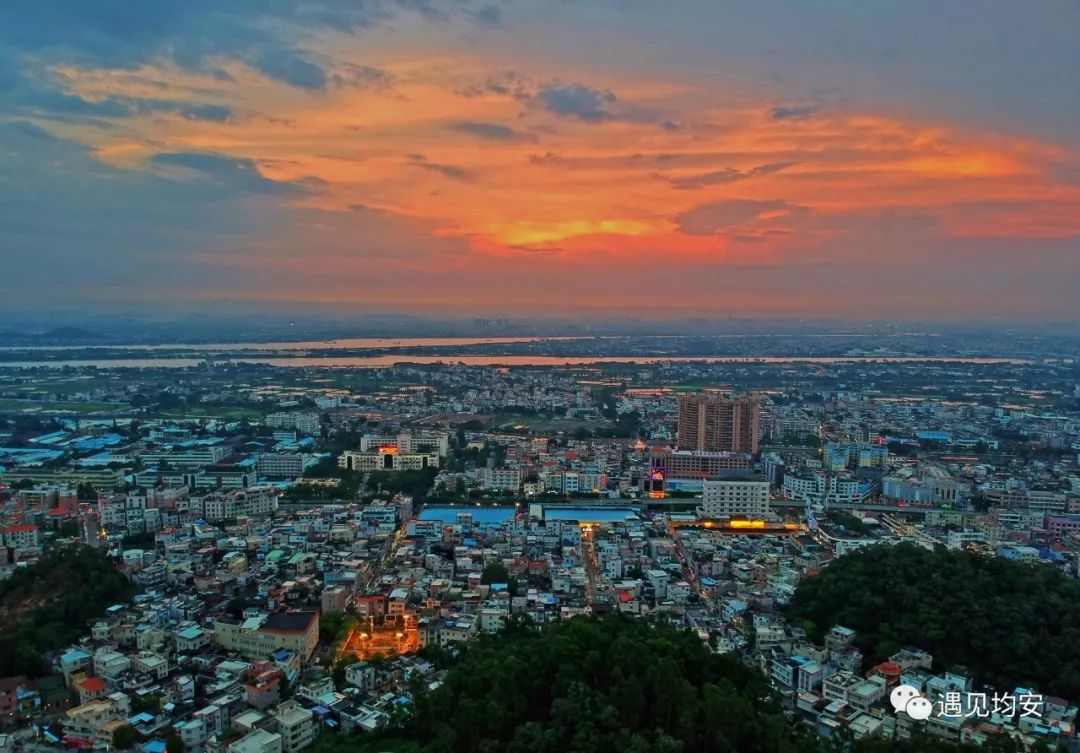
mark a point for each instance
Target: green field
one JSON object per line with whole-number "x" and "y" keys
{"x": 65, "y": 384}
{"x": 510, "y": 421}
{"x": 233, "y": 412}
{"x": 21, "y": 406}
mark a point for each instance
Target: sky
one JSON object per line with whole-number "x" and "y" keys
{"x": 845, "y": 158}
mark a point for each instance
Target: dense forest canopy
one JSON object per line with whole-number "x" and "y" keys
{"x": 603, "y": 685}
{"x": 47, "y": 605}
{"x": 608, "y": 684}
{"x": 1007, "y": 623}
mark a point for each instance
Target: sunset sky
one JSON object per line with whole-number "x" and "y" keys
{"x": 778, "y": 159}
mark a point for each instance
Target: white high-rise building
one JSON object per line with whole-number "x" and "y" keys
{"x": 736, "y": 496}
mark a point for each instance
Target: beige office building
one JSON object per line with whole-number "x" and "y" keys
{"x": 260, "y": 637}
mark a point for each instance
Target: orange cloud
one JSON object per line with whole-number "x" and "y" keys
{"x": 527, "y": 175}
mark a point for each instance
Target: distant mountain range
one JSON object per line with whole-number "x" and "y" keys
{"x": 58, "y": 336}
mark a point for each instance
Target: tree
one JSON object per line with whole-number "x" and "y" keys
{"x": 601, "y": 684}
{"x": 1006, "y": 623}
{"x": 173, "y": 744}
{"x": 329, "y": 624}
{"x": 339, "y": 673}
{"x": 237, "y": 605}
{"x": 414, "y": 483}
{"x": 125, "y": 737}
{"x": 46, "y": 605}
{"x": 150, "y": 703}
{"x": 494, "y": 572}
{"x": 848, "y": 521}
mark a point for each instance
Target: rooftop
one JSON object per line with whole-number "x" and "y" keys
{"x": 290, "y": 622}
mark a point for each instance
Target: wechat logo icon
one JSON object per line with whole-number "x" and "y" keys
{"x": 906, "y": 698}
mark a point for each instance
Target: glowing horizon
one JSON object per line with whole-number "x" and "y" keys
{"x": 490, "y": 158}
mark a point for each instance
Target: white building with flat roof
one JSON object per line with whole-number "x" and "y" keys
{"x": 259, "y": 741}
{"x": 737, "y": 496}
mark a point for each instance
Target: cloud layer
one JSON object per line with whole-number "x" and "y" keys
{"x": 468, "y": 156}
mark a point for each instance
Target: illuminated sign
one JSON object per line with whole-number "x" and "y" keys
{"x": 746, "y": 524}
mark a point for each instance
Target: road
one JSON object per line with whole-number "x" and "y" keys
{"x": 786, "y": 505}
{"x": 373, "y": 574}
{"x": 588, "y": 559}
{"x": 690, "y": 572}
{"x": 900, "y": 528}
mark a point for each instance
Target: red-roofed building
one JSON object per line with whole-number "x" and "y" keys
{"x": 262, "y": 687}
{"x": 90, "y": 689}
{"x": 888, "y": 670}
{"x": 20, "y": 536}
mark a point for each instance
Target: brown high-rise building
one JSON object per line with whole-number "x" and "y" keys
{"x": 712, "y": 422}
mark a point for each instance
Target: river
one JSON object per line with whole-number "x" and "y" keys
{"x": 358, "y": 342}
{"x": 371, "y": 362}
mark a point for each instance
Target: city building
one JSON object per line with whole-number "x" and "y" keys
{"x": 262, "y": 500}
{"x": 671, "y": 470}
{"x": 258, "y": 741}
{"x": 408, "y": 442}
{"x": 736, "y": 496}
{"x": 261, "y": 635}
{"x": 386, "y": 459}
{"x": 712, "y": 422}
{"x": 840, "y": 456}
{"x": 281, "y": 465}
{"x": 296, "y": 725}
{"x": 96, "y": 722}
{"x": 822, "y": 489}
{"x": 499, "y": 479}
{"x": 305, "y": 423}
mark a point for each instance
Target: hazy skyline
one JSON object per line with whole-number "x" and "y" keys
{"x": 841, "y": 159}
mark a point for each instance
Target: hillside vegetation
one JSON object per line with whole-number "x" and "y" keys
{"x": 609, "y": 684}
{"x": 47, "y": 605}
{"x": 1007, "y": 623}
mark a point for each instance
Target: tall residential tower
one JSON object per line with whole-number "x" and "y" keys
{"x": 713, "y": 422}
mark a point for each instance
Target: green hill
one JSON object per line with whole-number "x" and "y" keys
{"x": 47, "y": 605}
{"x": 610, "y": 684}
{"x": 600, "y": 684}
{"x": 1008, "y": 624}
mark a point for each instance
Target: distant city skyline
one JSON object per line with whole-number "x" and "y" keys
{"x": 840, "y": 160}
